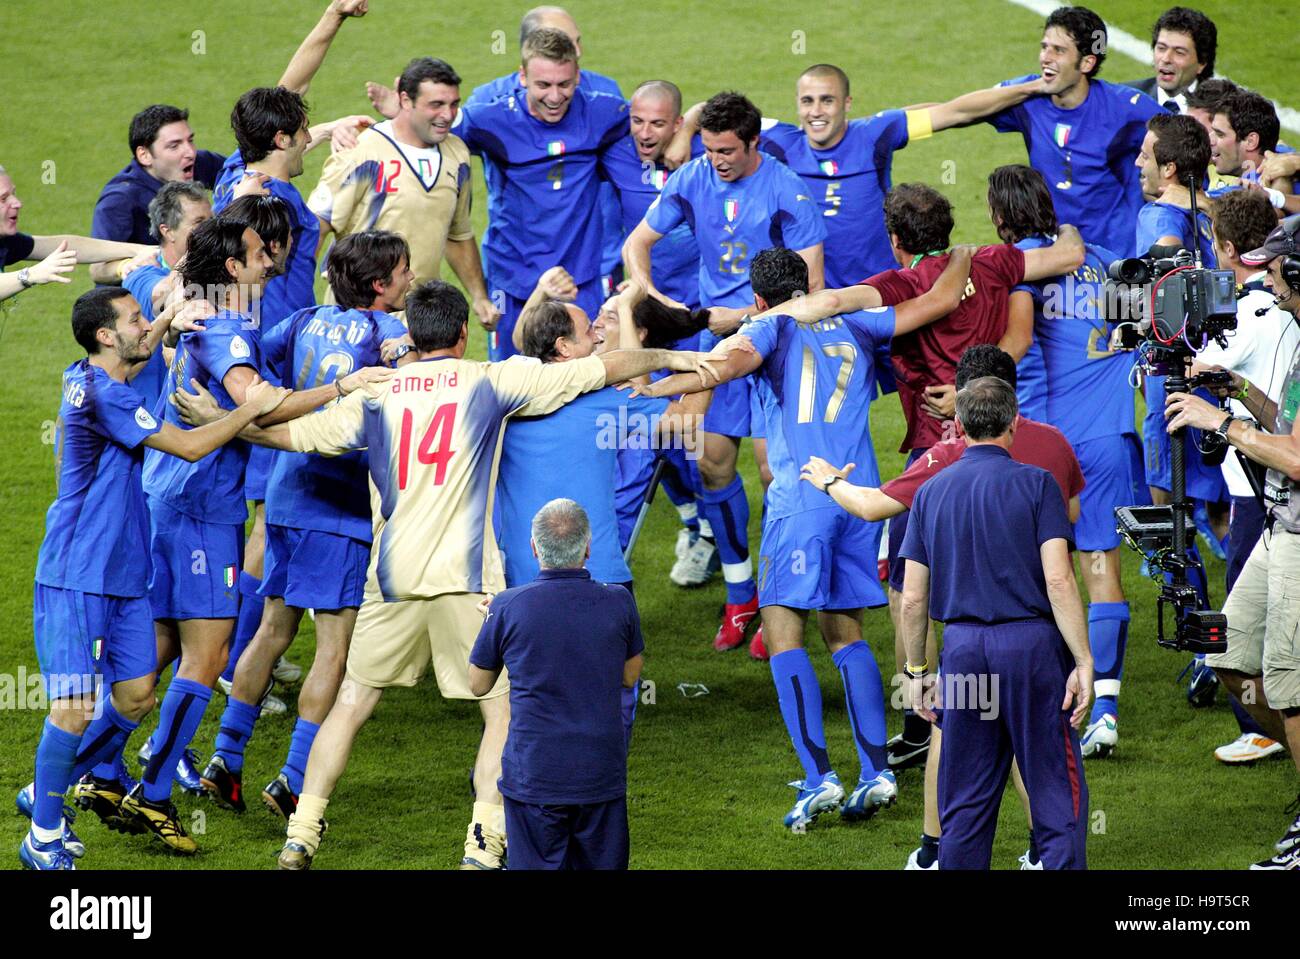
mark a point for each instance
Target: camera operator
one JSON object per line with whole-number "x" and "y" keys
{"x": 1260, "y": 352}
{"x": 1261, "y": 666}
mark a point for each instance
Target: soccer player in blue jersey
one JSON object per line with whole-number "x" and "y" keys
{"x": 1070, "y": 358}
{"x": 540, "y": 146}
{"x": 93, "y": 623}
{"x": 593, "y": 432}
{"x": 197, "y": 510}
{"x": 1176, "y": 151}
{"x": 1081, "y": 134}
{"x": 736, "y": 202}
{"x": 174, "y": 212}
{"x": 814, "y": 556}
{"x": 317, "y": 513}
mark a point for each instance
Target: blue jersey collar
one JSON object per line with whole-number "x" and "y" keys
{"x": 564, "y": 574}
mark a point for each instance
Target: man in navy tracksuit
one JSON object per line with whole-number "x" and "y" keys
{"x": 987, "y": 552}
{"x": 570, "y": 645}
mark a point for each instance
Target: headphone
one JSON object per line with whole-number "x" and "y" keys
{"x": 1291, "y": 261}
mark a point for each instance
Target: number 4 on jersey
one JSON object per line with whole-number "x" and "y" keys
{"x": 435, "y": 446}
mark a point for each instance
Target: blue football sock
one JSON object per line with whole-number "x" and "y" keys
{"x": 1245, "y": 721}
{"x": 630, "y": 696}
{"x": 1107, "y": 637}
{"x": 295, "y": 766}
{"x": 102, "y": 741}
{"x": 237, "y": 721}
{"x": 178, "y": 721}
{"x": 866, "y": 700}
{"x": 801, "y": 708}
{"x": 250, "y": 617}
{"x": 727, "y": 511}
{"x": 55, "y": 756}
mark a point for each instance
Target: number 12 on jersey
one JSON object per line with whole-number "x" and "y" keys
{"x": 435, "y": 445}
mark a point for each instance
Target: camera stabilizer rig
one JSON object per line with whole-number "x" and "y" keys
{"x": 1179, "y": 307}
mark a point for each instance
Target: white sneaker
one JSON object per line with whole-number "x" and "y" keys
{"x": 273, "y": 705}
{"x": 698, "y": 565}
{"x": 1026, "y": 864}
{"x": 913, "y": 864}
{"x": 1247, "y": 748}
{"x": 224, "y": 685}
{"x": 285, "y": 671}
{"x": 1100, "y": 738}
{"x": 684, "y": 539}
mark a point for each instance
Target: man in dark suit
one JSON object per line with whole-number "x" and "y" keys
{"x": 1183, "y": 44}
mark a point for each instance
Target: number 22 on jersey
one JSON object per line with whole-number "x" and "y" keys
{"x": 435, "y": 445}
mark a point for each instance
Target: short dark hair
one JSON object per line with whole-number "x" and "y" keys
{"x": 426, "y": 68}
{"x": 549, "y": 44}
{"x": 778, "y": 274}
{"x": 1248, "y": 113}
{"x": 731, "y": 111}
{"x": 357, "y": 260}
{"x": 1019, "y": 197}
{"x": 1204, "y": 34}
{"x": 260, "y": 114}
{"x": 548, "y": 323}
{"x": 436, "y": 314}
{"x": 269, "y": 216}
{"x": 165, "y": 208}
{"x": 986, "y": 407}
{"x": 1086, "y": 29}
{"x": 93, "y": 312}
{"x": 1182, "y": 141}
{"x": 211, "y": 244}
{"x": 920, "y": 216}
{"x": 1243, "y": 218}
{"x": 1210, "y": 93}
{"x": 664, "y": 325}
{"x": 146, "y": 124}
{"x": 985, "y": 359}
{"x": 828, "y": 70}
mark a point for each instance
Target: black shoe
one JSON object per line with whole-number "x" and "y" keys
{"x": 159, "y": 818}
{"x": 279, "y": 798}
{"x": 104, "y": 798}
{"x": 902, "y": 754}
{"x": 225, "y": 788}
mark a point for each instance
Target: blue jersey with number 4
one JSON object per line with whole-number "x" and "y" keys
{"x": 315, "y": 347}
{"x": 822, "y": 379}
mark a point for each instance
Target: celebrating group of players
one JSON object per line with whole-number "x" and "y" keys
{"x": 625, "y": 239}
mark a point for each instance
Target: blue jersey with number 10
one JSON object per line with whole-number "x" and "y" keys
{"x": 1072, "y": 344}
{"x": 822, "y": 378}
{"x": 733, "y": 221}
{"x": 314, "y": 347}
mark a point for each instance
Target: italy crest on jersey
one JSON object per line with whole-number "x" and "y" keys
{"x": 659, "y": 178}
{"x": 830, "y": 167}
{"x": 555, "y": 148}
{"x": 731, "y": 209}
{"x": 1062, "y": 135}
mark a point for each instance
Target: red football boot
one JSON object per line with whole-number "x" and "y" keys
{"x": 757, "y": 648}
{"x": 736, "y": 618}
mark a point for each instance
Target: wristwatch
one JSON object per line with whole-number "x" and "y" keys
{"x": 1222, "y": 430}
{"x": 827, "y": 484}
{"x": 25, "y": 278}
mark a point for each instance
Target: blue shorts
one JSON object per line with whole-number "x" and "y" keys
{"x": 757, "y": 418}
{"x": 79, "y": 635}
{"x": 257, "y": 472}
{"x": 195, "y": 565}
{"x": 819, "y": 559}
{"x": 310, "y": 569}
{"x": 635, "y": 469}
{"x": 1203, "y": 482}
{"x": 590, "y": 836}
{"x": 897, "y": 530}
{"x": 1113, "y": 477}
{"x": 730, "y": 413}
{"x": 501, "y": 347}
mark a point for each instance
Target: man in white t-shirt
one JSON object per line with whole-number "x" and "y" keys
{"x": 1260, "y": 353}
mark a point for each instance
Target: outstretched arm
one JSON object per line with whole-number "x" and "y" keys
{"x": 1064, "y": 256}
{"x": 941, "y": 299}
{"x": 865, "y": 502}
{"x": 972, "y": 107}
{"x": 309, "y": 56}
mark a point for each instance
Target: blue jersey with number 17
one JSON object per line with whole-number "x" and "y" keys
{"x": 314, "y": 347}
{"x": 732, "y": 222}
{"x": 1072, "y": 340}
{"x": 822, "y": 379}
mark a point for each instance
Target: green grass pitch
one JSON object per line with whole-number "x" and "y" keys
{"x": 707, "y": 774}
